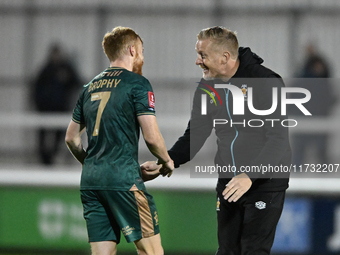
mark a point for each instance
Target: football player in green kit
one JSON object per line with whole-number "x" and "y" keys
{"x": 112, "y": 108}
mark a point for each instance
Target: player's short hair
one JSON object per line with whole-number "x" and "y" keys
{"x": 116, "y": 42}
{"x": 221, "y": 36}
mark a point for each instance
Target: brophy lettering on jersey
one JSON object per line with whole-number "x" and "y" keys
{"x": 104, "y": 83}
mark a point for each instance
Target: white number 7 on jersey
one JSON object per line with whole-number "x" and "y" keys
{"x": 104, "y": 98}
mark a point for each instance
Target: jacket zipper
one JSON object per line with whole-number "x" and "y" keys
{"x": 236, "y": 131}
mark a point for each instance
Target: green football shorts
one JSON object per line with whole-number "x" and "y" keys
{"x": 108, "y": 213}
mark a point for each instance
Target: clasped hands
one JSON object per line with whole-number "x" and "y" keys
{"x": 152, "y": 169}
{"x": 233, "y": 191}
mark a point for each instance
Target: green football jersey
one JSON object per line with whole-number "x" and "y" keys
{"x": 109, "y": 106}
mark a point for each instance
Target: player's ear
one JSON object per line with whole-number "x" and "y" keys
{"x": 132, "y": 50}
{"x": 226, "y": 56}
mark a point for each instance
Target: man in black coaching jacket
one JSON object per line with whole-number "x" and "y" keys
{"x": 249, "y": 203}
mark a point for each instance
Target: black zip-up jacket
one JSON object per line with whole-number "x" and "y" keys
{"x": 241, "y": 144}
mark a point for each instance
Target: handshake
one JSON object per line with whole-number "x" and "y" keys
{"x": 152, "y": 169}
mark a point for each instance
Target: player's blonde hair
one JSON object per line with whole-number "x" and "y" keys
{"x": 222, "y": 37}
{"x": 117, "y": 42}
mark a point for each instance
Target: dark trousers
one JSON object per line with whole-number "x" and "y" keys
{"x": 247, "y": 227}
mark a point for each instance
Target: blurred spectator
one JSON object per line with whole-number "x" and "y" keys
{"x": 53, "y": 89}
{"x": 322, "y": 101}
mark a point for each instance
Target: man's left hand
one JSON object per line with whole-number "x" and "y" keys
{"x": 237, "y": 186}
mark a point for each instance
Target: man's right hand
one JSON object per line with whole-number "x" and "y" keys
{"x": 150, "y": 170}
{"x": 165, "y": 169}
